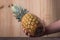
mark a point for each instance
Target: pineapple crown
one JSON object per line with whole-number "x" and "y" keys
{"x": 18, "y": 11}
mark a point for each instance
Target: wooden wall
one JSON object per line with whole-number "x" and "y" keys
{"x": 46, "y": 10}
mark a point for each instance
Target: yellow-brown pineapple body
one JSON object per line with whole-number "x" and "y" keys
{"x": 30, "y": 23}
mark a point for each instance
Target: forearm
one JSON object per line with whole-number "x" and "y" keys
{"x": 53, "y": 28}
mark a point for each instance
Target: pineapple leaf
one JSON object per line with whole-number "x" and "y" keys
{"x": 19, "y": 12}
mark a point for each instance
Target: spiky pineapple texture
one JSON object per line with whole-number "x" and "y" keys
{"x": 29, "y": 21}
{"x": 18, "y": 11}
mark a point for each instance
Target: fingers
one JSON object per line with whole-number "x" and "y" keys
{"x": 26, "y": 31}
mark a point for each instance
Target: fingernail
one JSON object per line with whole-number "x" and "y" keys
{"x": 27, "y": 33}
{"x": 24, "y": 29}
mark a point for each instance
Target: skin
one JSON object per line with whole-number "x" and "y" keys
{"x": 52, "y": 28}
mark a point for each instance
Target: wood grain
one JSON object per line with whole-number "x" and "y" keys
{"x": 46, "y": 10}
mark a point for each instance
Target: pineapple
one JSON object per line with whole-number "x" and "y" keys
{"x": 30, "y": 22}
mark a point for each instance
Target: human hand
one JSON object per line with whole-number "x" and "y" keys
{"x": 52, "y": 28}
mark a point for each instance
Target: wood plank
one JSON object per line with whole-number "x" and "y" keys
{"x": 47, "y": 10}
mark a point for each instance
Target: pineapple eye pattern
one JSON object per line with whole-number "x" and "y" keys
{"x": 29, "y": 21}
{"x": 31, "y": 24}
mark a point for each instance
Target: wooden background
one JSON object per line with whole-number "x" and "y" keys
{"x": 46, "y": 10}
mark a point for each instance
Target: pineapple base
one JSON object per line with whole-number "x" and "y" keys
{"x": 32, "y": 25}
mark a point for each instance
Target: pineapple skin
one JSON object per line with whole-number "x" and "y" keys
{"x": 30, "y": 23}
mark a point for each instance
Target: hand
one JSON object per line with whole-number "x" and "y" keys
{"x": 39, "y": 31}
{"x": 52, "y": 28}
